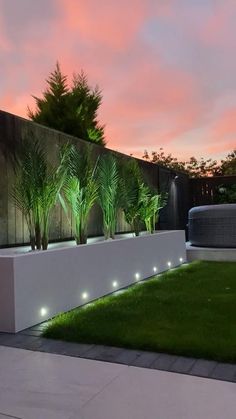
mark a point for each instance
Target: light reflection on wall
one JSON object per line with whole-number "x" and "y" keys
{"x": 173, "y": 202}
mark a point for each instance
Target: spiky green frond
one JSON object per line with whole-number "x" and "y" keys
{"x": 37, "y": 187}
{"x": 151, "y": 205}
{"x": 109, "y": 193}
{"x": 132, "y": 181}
{"x": 80, "y": 190}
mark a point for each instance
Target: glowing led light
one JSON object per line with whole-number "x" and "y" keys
{"x": 181, "y": 260}
{"x": 169, "y": 264}
{"x": 84, "y": 295}
{"x": 154, "y": 269}
{"x": 43, "y": 311}
{"x": 137, "y": 275}
{"x": 115, "y": 284}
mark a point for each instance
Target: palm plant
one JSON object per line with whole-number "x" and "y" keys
{"x": 80, "y": 191}
{"x": 36, "y": 189}
{"x": 109, "y": 193}
{"x": 23, "y": 198}
{"x": 52, "y": 185}
{"x": 152, "y": 203}
{"x": 133, "y": 195}
{"x": 30, "y": 173}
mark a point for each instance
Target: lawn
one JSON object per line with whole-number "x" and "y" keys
{"x": 187, "y": 311}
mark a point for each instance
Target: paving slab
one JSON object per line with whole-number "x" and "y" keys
{"x": 140, "y": 393}
{"x": 32, "y": 340}
{"x": 20, "y": 341}
{"x": 128, "y": 356}
{"x": 77, "y": 349}
{"x": 40, "y": 326}
{"x": 103, "y": 353}
{"x": 52, "y": 346}
{"x": 146, "y": 359}
{"x": 164, "y": 362}
{"x": 95, "y": 352}
{"x": 31, "y": 332}
{"x": 224, "y": 372}
{"x": 108, "y": 353}
{"x": 203, "y": 368}
{"x": 182, "y": 364}
{"x": 37, "y": 385}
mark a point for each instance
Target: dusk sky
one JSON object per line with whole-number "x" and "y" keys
{"x": 167, "y": 68}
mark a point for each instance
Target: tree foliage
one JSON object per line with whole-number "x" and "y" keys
{"x": 167, "y": 160}
{"x": 70, "y": 109}
{"x": 228, "y": 165}
{"x": 225, "y": 194}
{"x": 194, "y": 167}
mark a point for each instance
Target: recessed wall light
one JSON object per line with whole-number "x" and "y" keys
{"x": 137, "y": 275}
{"x": 115, "y": 284}
{"x": 43, "y": 311}
{"x": 154, "y": 269}
{"x": 169, "y": 264}
{"x": 181, "y": 260}
{"x": 84, "y": 295}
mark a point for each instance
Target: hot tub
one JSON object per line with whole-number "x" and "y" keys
{"x": 213, "y": 225}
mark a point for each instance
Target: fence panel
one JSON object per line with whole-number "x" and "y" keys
{"x": 205, "y": 191}
{"x": 14, "y": 129}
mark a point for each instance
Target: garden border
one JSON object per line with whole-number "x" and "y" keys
{"x": 38, "y": 285}
{"x": 31, "y": 339}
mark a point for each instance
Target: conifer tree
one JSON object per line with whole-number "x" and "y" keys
{"x": 72, "y": 110}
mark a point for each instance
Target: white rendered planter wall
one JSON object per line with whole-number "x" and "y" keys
{"x": 35, "y": 286}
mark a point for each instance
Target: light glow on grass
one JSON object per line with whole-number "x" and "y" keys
{"x": 131, "y": 317}
{"x": 118, "y": 292}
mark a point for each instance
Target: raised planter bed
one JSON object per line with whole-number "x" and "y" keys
{"x": 36, "y": 286}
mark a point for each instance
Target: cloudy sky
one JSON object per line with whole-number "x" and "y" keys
{"x": 167, "y": 68}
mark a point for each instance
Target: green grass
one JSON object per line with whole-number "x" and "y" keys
{"x": 187, "y": 311}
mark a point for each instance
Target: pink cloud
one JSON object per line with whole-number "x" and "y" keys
{"x": 226, "y": 124}
{"x": 5, "y": 44}
{"x": 16, "y": 104}
{"x": 113, "y": 24}
{"x": 222, "y": 135}
{"x": 150, "y": 98}
{"x": 153, "y": 107}
{"x": 216, "y": 30}
{"x": 221, "y": 149}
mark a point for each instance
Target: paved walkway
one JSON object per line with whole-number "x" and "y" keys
{"x": 31, "y": 339}
{"x": 36, "y": 385}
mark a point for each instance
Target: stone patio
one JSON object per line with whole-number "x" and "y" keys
{"x": 32, "y": 340}
{"x": 36, "y": 385}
